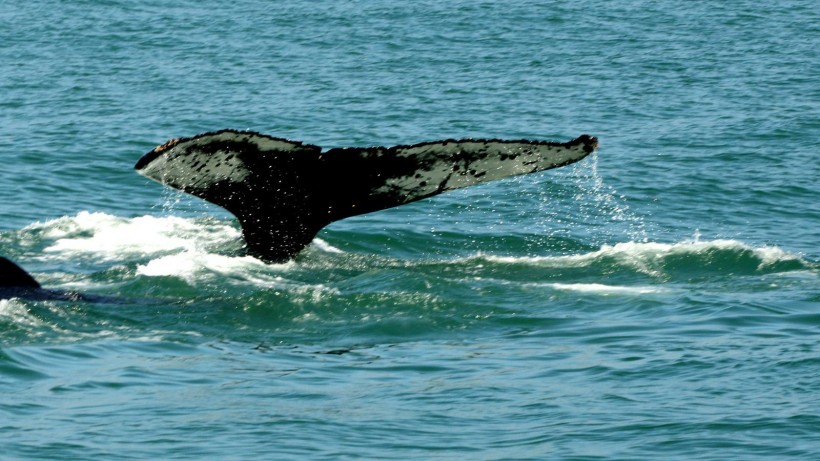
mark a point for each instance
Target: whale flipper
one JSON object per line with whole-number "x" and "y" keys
{"x": 284, "y": 192}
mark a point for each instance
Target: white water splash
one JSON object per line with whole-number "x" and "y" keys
{"x": 644, "y": 256}
{"x": 193, "y": 266}
{"x": 326, "y": 247}
{"x": 598, "y": 288}
{"x": 15, "y": 312}
{"x": 599, "y": 202}
{"x": 193, "y": 250}
{"x": 109, "y": 237}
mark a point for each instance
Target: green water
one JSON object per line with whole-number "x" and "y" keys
{"x": 659, "y": 300}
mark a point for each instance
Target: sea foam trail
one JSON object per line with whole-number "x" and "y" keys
{"x": 111, "y": 237}
{"x": 192, "y": 265}
{"x": 654, "y": 258}
{"x": 193, "y": 249}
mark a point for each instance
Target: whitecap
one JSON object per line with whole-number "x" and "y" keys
{"x": 648, "y": 257}
{"x": 599, "y": 288}
{"x": 105, "y": 236}
{"x": 16, "y": 312}
{"x": 191, "y": 265}
{"x": 325, "y": 246}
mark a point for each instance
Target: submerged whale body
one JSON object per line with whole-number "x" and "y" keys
{"x": 13, "y": 276}
{"x": 284, "y": 192}
{"x": 17, "y": 283}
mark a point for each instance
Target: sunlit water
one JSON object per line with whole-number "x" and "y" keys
{"x": 659, "y": 300}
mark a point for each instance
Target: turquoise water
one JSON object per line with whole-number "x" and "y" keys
{"x": 659, "y": 300}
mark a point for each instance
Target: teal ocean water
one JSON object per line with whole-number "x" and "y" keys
{"x": 658, "y": 300}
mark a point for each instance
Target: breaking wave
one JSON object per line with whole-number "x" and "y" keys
{"x": 206, "y": 249}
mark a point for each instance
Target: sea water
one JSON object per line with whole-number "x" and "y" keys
{"x": 659, "y": 300}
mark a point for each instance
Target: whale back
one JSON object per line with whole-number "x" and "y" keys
{"x": 12, "y": 276}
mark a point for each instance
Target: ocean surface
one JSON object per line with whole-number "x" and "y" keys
{"x": 658, "y": 300}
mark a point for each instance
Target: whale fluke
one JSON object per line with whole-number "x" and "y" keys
{"x": 284, "y": 192}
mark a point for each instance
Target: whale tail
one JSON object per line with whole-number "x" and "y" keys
{"x": 284, "y": 192}
{"x": 12, "y": 276}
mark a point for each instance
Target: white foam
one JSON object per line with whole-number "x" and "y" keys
{"x": 326, "y": 247}
{"x": 770, "y": 255}
{"x": 192, "y": 265}
{"x": 599, "y": 288}
{"x": 196, "y": 267}
{"x": 643, "y": 256}
{"x": 17, "y": 313}
{"x": 173, "y": 247}
{"x": 110, "y": 237}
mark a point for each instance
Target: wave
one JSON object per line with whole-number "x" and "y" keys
{"x": 193, "y": 274}
{"x": 151, "y": 254}
{"x": 659, "y": 260}
{"x": 602, "y": 289}
{"x": 198, "y": 250}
